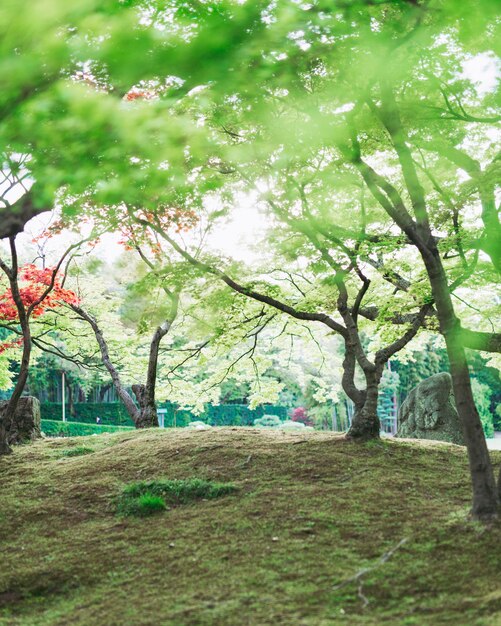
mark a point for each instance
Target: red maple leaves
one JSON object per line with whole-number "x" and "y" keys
{"x": 38, "y": 288}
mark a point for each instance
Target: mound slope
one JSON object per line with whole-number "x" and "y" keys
{"x": 309, "y": 513}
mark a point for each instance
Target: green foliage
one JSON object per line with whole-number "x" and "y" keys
{"x": 482, "y": 397}
{"x": 295, "y": 426}
{"x": 147, "y": 497}
{"x": 53, "y": 428}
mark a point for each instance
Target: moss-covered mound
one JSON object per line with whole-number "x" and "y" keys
{"x": 308, "y": 512}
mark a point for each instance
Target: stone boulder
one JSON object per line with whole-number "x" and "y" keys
{"x": 25, "y": 426}
{"x": 429, "y": 412}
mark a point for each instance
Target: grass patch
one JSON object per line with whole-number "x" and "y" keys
{"x": 141, "y": 506}
{"x": 78, "y": 451}
{"x": 147, "y": 497}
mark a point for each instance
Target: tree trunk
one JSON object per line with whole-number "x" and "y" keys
{"x": 145, "y": 394}
{"x": 335, "y": 427}
{"x": 102, "y": 391}
{"x": 124, "y": 396}
{"x": 10, "y": 409}
{"x": 71, "y": 398}
{"x": 485, "y": 497}
{"x": 147, "y": 417}
{"x": 4, "y": 446}
{"x": 365, "y": 424}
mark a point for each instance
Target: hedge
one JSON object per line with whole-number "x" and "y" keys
{"x": 115, "y": 414}
{"x": 53, "y": 428}
{"x": 86, "y": 413}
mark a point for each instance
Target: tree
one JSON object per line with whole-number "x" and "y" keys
{"x": 146, "y": 415}
{"x": 365, "y": 424}
{"x": 30, "y": 293}
{"x": 377, "y": 85}
{"x": 370, "y": 79}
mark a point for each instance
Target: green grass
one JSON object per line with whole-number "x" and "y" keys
{"x": 147, "y": 497}
{"x": 308, "y": 512}
{"x": 78, "y": 451}
{"x": 141, "y": 506}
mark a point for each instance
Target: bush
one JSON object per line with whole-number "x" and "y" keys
{"x": 300, "y": 415}
{"x": 52, "y": 428}
{"x": 268, "y": 421}
{"x": 198, "y": 425}
{"x": 290, "y": 425}
{"x": 134, "y": 496}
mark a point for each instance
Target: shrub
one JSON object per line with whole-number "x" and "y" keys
{"x": 114, "y": 413}
{"x": 168, "y": 492}
{"x": 198, "y": 425}
{"x": 290, "y": 425}
{"x": 300, "y": 416}
{"x": 268, "y": 421}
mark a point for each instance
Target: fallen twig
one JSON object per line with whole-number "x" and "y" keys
{"x": 357, "y": 578}
{"x": 246, "y": 462}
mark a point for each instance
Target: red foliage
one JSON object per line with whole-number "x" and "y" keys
{"x": 6, "y": 345}
{"x": 178, "y": 219}
{"x": 138, "y": 93}
{"x": 299, "y": 415}
{"x": 33, "y": 283}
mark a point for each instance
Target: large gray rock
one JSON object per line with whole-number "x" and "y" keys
{"x": 429, "y": 412}
{"x": 25, "y": 426}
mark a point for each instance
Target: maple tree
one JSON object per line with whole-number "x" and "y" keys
{"x": 30, "y": 293}
{"x": 33, "y": 283}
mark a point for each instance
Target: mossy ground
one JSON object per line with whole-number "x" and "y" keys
{"x": 309, "y": 511}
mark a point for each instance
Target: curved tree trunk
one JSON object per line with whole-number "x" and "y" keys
{"x": 365, "y": 424}
{"x": 485, "y": 496}
{"x": 123, "y": 394}
{"x": 9, "y": 412}
{"x": 145, "y": 394}
{"x": 147, "y": 417}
